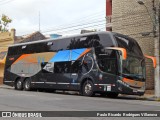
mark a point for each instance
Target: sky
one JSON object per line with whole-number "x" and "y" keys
{"x": 55, "y": 16}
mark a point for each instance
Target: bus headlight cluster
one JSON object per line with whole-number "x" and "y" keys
{"x": 123, "y": 83}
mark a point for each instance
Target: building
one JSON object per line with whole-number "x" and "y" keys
{"x": 6, "y": 39}
{"x": 132, "y": 19}
{"x": 30, "y": 37}
{"x": 109, "y": 15}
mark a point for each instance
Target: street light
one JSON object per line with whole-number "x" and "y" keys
{"x": 140, "y": 2}
{"x": 156, "y": 43}
{"x": 152, "y": 19}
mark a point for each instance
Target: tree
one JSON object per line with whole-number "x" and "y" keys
{"x": 5, "y": 20}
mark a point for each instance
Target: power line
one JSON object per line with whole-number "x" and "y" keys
{"x": 81, "y": 20}
{"x": 73, "y": 26}
{"x": 96, "y": 25}
{"x": 87, "y": 24}
{"x": 112, "y": 18}
{"x": 93, "y": 24}
{"x": 66, "y": 27}
{"x": 6, "y": 1}
{"x": 77, "y": 25}
{"x": 81, "y": 28}
{"x": 91, "y": 17}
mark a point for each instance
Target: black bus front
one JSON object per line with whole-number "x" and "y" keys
{"x": 132, "y": 69}
{"x": 121, "y": 72}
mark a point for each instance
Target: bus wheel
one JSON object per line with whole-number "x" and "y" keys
{"x": 27, "y": 85}
{"x": 88, "y": 88}
{"x": 112, "y": 95}
{"x": 18, "y": 84}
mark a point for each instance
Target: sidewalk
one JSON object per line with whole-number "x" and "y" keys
{"x": 148, "y": 97}
{"x": 6, "y": 86}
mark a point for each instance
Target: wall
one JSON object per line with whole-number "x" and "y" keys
{"x": 6, "y": 39}
{"x": 130, "y": 18}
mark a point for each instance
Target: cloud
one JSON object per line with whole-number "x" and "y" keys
{"x": 25, "y": 13}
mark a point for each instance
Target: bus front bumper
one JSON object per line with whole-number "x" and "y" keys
{"x": 124, "y": 88}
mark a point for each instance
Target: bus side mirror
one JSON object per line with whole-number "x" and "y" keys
{"x": 153, "y": 60}
{"x": 123, "y": 51}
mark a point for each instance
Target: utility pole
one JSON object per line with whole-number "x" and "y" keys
{"x": 39, "y": 22}
{"x": 157, "y": 49}
{"x": 156, "y": 35}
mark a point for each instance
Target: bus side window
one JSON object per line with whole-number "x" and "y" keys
{"x": 62, "y": 67}
{"x": 76, "y": 66}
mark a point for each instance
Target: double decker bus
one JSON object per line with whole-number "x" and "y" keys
{"x": 100, "y": 62}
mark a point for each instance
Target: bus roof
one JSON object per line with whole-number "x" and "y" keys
{"x": 65, "y": 37}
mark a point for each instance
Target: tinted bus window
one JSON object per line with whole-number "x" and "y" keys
{"x": 62, "y": 67}
{"x": 84, "y": 42}
{"x": 106, "y": 41}
{"x": 107, "y": 60}
{"x": 76, "y": 66}
{"x": 129, "y": 44}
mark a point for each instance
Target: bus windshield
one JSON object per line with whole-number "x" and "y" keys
{"x": 133, "y": 68}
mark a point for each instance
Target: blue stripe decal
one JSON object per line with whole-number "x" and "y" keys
{"x": 61, "y": 56}
{"x": 77, "y": 52}
{"x": 66, "y": 54}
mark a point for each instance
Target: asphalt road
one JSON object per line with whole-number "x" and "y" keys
{"x": 13, "y": 100}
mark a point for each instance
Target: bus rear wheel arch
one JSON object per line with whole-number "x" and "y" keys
{"x": 18, "y": 84}
{"x": 87, "y": 88}
{"x": 27, "y": 84}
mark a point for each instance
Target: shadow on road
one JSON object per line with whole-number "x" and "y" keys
{"x": 75, "y": 93}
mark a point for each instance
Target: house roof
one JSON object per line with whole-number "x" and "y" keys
{"x": 30, "y": 37}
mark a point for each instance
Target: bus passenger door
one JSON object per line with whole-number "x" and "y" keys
{"x": 108, "y": 75}
{"x": 108, "y": 66}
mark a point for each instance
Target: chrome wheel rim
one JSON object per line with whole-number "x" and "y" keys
{"x": 19, "y": 84}
{"x": 88, "y": 88}
{"x": 27, "y": 84}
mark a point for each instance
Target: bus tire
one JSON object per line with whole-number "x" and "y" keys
{"x": 27, "y": 84}
{"x": 112, "y": 95}
{"x": 87, "y": 89}
{"x": 18, "y": 84}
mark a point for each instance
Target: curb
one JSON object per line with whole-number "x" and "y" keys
{"x": 6, "y": 87}
{"x": 145, "y": 97}
{"x": 152, "y": 99}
